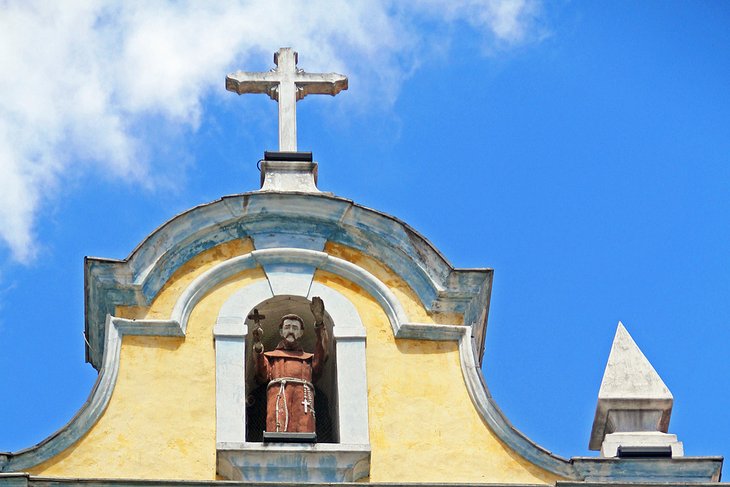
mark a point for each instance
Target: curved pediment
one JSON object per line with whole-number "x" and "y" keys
{"x": 289, "y": 270}
{"x": 277, "y": 220}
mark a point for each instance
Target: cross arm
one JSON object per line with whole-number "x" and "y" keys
{"x": 246, "y": 82}
{"x": 319, "y": 84}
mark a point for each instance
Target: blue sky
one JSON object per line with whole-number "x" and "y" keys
{"x": 581, "y": 149}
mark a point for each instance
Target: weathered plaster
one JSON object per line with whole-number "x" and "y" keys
{"x": 198, "y": 292}
{"x": 406, "y": 341}
{"x": 404, "y": 294}
{"x": 164, "y": 397}
{"x": 271, "y": 217}
{"x": 412, "y": 410}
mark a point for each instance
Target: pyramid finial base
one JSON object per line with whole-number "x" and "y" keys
{"x": 641, "y": 444}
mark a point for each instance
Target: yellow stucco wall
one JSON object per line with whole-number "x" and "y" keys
{"x": 423, "y": 425}
{"x": 160, "y": 423}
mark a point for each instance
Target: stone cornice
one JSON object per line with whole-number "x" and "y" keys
{"x": 135, "y": 280}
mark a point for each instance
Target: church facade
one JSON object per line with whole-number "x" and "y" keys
{"x": 173, "y": 331}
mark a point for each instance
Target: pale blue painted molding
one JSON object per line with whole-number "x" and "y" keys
{"x": 13, "y": 479}
{"x": 294, "y": 464}
{"x": 682, "y": 470}
{"x": 100, "y": 395}
{"x": 281, "y": 219}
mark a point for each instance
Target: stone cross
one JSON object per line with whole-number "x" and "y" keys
{"x": 286, "y": 84}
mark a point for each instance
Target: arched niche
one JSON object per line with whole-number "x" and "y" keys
{"x": 239, "y": 459}
{"x": 325, "y": 400}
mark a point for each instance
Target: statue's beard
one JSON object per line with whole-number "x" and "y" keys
{"x": 290, "y": 338}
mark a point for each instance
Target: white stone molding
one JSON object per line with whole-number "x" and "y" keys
{"x": 229, "y": 333}
{"x": 299, "y": 176}
{"x": 296, "y": 259}
{"x": 648, "y": 439}
{"x": 352, "y": 387}
{"x": 294, "y": 464}
{"x": 289, "y": 279}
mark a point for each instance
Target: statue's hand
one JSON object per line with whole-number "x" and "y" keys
{"x": 317, "y": 308}
{"x": 257, "y": 334}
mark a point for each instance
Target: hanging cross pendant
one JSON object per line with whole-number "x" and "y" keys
{"x": 306, "y": 404}
{"x": 256, "y": 317}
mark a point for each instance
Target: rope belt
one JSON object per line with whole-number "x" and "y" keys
{"x": 308, "y": 403}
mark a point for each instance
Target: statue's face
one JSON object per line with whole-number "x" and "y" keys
{"x": 291, "y": 330}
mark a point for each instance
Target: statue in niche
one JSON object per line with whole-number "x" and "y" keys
{"x": 289, "y": 373}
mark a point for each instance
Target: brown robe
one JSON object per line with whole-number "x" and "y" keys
{"x": 291, "y": 362}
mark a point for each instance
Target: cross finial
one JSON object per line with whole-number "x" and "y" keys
{"x": 286, "y": 84}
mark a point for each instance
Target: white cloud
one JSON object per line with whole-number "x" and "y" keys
{"x": 75, "y": 77}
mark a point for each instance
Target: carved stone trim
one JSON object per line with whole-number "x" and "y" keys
{"x": 322, "y": 462}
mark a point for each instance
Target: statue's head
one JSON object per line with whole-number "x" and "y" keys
{"x": 291, "y": 328}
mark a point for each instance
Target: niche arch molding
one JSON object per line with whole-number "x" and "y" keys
{"x": 238, "y": 459}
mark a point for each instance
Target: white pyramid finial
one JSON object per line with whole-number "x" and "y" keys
{"x": 634, "y": 404}
{"x": 629, "y": 374}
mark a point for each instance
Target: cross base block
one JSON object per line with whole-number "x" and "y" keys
{"x": 289, "y": 172}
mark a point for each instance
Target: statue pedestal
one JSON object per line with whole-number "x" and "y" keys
{"x": 272, "y": 437}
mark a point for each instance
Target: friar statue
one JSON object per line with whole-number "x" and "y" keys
{"x": 290, "y": 372}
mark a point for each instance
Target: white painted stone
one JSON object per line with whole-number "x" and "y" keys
{"x": 610, "y": 445}
{"x": 289, "y": 279}
{"x": 632, "y": 397}
{"x": 230, "y": 326}
{"x": 230, "y": 377}
{"x": 230, "y": 370}
{"x": 352, "y": 387}
{"x": 278, "y": 176}
{"x": 238, "y": 306}
{"x": 293, "y": 463}
{"x": 286, "y": 84}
